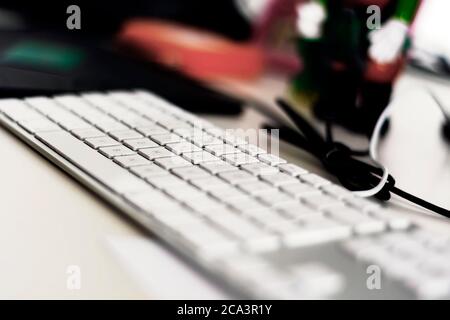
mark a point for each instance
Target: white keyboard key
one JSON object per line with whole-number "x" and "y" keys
{"x": 151, "y": 130}
{"x": 315, "y": 180}
{"x": 163, "y": 119}
{"x": 279, "y": 179}
{"x": 165, "y": 181}
{"x": 296, "y": 210}
{"x": 205, "y": 139}
{"x": 259, "y": 168}
{"x": 195, "y": 199}
{"x": 236, "y": 177}
{"x": 117, "y": 111}
{"x": 132, "y": 100}
{"x": 127, "y": 134}
{"x": 432, "y": 287}
{"x": 131, "y": 161}
{"x": 87, "y": 133}
{"x": 391, "y": 239}
{"x": 221, "y": 149}
{"x": 111, "y": 126}
{"x": 237, "y": 159}
{"x": 17, "y": 110}
{"x": 155, "y": 203}
{"x": 393, "y": 267}
{"x": 225, "y": 193}
{"x": 314, "y": 280}
{"x": 266, "y": 218}
{"x": 202, "y": 204}
{"x": 100, "y": 100}
{"x": 425, "y": 237}
{"x": 96, "y": 118}
{"x": 434, "y": 265}
{"x": 155, "y": 153}
{"x": 190, "y": 172}
{"x": 186, "y": 132}
{"x": 362, "y": 204}
{"x": 175, "y": 124}
{"x": 234, "y": 140}
{"x": 39, "y": 125}
{"x": 210, "y": 183}
{"x": 70, "y": 122}
{"x": 221, "y": 210}
{"x": 395, "y": 221}
{"x": 73, "y": 102}
{"x": 239, "y": 263}
{"x": 115, "y": 151}
{"x": 316, "y": 230}
{"x": 337, "y": 191}
{"x": 300, "y": 189}
{"x": 207, "y": 241}
{"x": 96, "y": 165}
{"x": 216, "y": 132}
{"x": 244, "y": 204}
{"x": 155, "y": 114}
{"x": 251, "y": 149}
{"x": 217, "y": 167}
{"x": 172, "y": 162}
{"x": 270, "y": 159}
{"x": 135, "y": 121}
{"x": 274, "y": 198}
{"x": 199, "y": 157}
{"x": 164, "y": 139}
{"x": 185, "y": 192}
{"x": 98, "y": 142}
{"x": 292, "y": 169}
{"x": 261, "y": 242}
{"x": 284, "y": 226}
{"x": 255, "y": 187}
{"x": 150, "y": 170}
{"x": 182, "y": 147}
{"x": 254, "y": 238}
{"x": 44, "y": 105}
{"x": 179, "y": 219}
{"x": 137, "y": 144}
{"x": 321, "y": 201}
{"x": 361, "y": 223}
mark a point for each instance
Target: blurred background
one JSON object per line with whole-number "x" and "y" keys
{"x": 210, "y": 41}
{"x": 240, "y": 20}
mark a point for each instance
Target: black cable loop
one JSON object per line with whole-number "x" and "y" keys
{"x": 338, "y": 159}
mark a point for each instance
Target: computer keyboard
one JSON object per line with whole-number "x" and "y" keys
{"x": 263, "y": 227}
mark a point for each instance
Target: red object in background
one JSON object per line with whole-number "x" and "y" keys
{"x": 198, "y": 53}
{"x": 275, "y": 13}
{"x": 383, "y": 73}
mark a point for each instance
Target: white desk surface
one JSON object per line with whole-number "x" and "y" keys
{"x": 49, "y": 222}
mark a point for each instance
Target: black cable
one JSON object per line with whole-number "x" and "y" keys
{"x": 330, "y": 139}
{"x": 421, "y": 202}
{"x": 439, "y": 104}
{"x": 290, "y": 135}
{"x": 329, "y": 131}
{"x": 339, "y": 160}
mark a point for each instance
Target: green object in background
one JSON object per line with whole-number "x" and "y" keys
{"x": 42, "y": 54}
{"x": 406, "y": 10}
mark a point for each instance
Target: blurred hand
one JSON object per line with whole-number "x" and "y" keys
{"x": 387, "y": 42}
{"x": 310, "y": 17}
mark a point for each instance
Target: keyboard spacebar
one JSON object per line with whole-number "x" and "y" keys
{"x": 93, "y": 163}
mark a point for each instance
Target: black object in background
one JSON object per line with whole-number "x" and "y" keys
{"x": 220, "y": 16}
{"x": 45, "y": 64}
